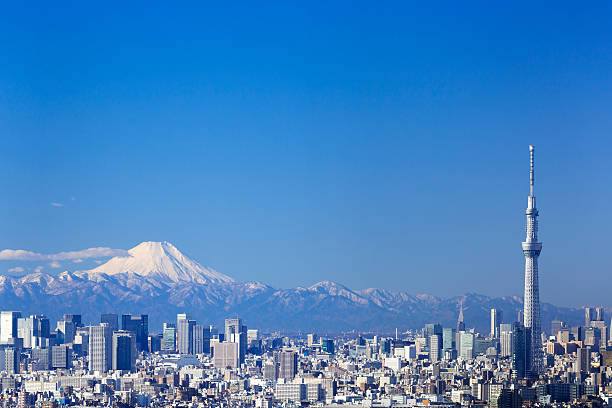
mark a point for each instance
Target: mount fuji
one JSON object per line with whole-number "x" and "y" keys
{"x": 157, "y": 279}
{"x": 161, "y": 262}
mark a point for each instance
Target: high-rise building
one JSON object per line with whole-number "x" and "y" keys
{"x": 448, "y": 338}
{"x": 555, "y": 326}
{"x": 61, "y": 356}
{"x": 505, "y": 340}
{"x": 139, "y": 325}
{"x": 431, "y": 329}
{"x": 42, "y": 358}
{"x": 563, "y": 336}
{"x": 81, "y": 341}
{"x": 155, "y": 341}
{"x": 34, "y": 330}
{"x": 111, "y": 319}
{"x": 100, "y": 348}
{"x": 226, "y": 354}
{"x": 531, "y": 249}
{"x": 169, "y": 337}
{"x": 236, "y": 332}
{"x": 198, "y": 339}
{"x": 460, "y": 323}
{"x": 496, "y": 319}
{"x": 74, "y": 318}
{"x": 12, "y": 360}
{"x": 327, "y": 345}
{"x": 466, "y": 345}
{"x": 521, "y": 346}
{"x": 576, "y": 333}
{"x": 600, "y": 314}
{"x": 124, "y": 351}
{"x": 270, "y": 371}
{"x": 287, "y": 365}
{"x": 592, "y": 336}
{"x": 66, "y": 330}
{"x": 583, "y": 360}
{"x": 254, "y": 342}
{"x": 435, "y": 347}
{"x": 209, "y": 332}
{"x": 201, "y": 339}
{"x": 8, "y": 326}
{"x": 312, "y": 339}
{"x": 589, "y": 313}
{"x": 184, "y": 334}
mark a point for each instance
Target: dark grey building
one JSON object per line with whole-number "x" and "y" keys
{"x": 111, "y": 319}
{"x": 124, "y": 351}
{"x": 287, "y": 364}
{"x": 61, "y": 356}
{"x": 139, "y": 325}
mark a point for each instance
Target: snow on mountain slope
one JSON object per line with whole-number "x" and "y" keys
{"x": 160, "y": 261}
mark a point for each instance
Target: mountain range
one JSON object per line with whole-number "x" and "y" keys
{"x": 157, "y": 279}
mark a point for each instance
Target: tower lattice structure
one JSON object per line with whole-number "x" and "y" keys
{"x": 532, "y": 249}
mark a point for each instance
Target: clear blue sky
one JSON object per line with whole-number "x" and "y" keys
{"x": 372, "y": 144}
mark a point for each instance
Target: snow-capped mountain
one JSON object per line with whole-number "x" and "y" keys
{"x": 160, "y": 261}
{"x": 157, "y": 279}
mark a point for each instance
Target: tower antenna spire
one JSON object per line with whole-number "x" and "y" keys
{"x": 531, "y": 172}
{"x": 531, "y": 307}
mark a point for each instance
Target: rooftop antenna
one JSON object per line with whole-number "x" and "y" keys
{"x": 531, "y": 172}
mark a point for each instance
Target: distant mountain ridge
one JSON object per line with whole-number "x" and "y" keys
{"x": 159, "y": 280}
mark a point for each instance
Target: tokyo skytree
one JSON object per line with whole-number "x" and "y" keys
{"x": 532, "y": 249}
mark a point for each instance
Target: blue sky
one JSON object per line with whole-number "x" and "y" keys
{"x": 372, "y": 144}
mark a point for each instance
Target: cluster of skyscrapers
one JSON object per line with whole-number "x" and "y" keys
{"x": 107, "y": 345}
{"x": 229, "y": 347}
{"x": 113, "y": 346}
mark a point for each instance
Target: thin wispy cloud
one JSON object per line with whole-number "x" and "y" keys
{"x": 54, "y": 204}
{"x": 38, "y": 269}
{"x": 16, "y": 269}
{"x": 55, "y": 264}
{"x": 23, "y": 255}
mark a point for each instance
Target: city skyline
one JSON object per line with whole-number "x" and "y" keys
{"x": 317, "y": 204}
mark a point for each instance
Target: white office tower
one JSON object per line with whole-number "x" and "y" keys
{"x": 506, "y": 340}
{"x": 100, "y": 348}
{"x": 531, "y": 249}
{"x": 435, "y": 346}
{"x": 236, "y": 332}
{"x": 184, "y": 333}
{"x": 496, "y": 318}
{"x": 34, "y": 331}
{"x": 8, "y": 326}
